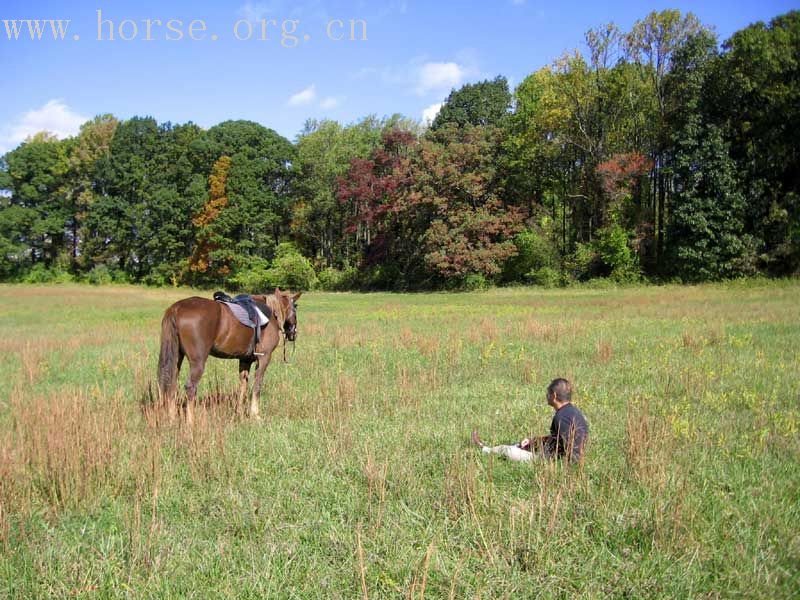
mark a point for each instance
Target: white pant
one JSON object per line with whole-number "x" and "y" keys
{"x": 510, "y": 452}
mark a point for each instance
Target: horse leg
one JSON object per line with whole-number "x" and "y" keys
{"x": 195, "y": 373}
{"x": 244, "y": 375}
{"x": 263, "y": 363}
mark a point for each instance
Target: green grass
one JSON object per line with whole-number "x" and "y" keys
{"x": 360, "y": 479}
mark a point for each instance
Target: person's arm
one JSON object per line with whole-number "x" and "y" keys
{"x": 534, "y": 443}
{"x": 543, "y": 443}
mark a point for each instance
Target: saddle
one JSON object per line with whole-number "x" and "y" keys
{"x": 249, "y": 312}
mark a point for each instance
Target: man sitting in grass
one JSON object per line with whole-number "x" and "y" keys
{"x": 568, "y": 431}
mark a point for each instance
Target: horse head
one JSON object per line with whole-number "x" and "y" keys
{"x": 289, "y": 305}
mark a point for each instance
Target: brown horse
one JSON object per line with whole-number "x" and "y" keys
{"x": 197, "y": 327}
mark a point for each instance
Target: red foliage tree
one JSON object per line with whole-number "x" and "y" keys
{"x": 619, "y": 175}
{"x": 433, "y": 207}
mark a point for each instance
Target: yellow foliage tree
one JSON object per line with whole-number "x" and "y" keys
{"x": 200, "y": 261}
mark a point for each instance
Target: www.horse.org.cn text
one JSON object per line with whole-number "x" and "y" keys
{"x": 287, "y": 33}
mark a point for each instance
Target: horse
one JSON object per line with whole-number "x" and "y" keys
{"x": 196, "y": 328}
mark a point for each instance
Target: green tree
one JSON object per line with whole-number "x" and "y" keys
{"x": 258, "y": 187}
{"x": 759, "y": 101}
{"x": 708, "y": 213}
{"x": 325, "y": 150}
{"x": 16, "y": 222}
{"x": 124, "y": 184}
{"x": 536, "y": 259}
{"x": 532, "y": 154}
{"x": 35, "y": 217}
{"x": 484, "y": 103}
{"x": 652, "y": 43}
{"x": 290, "y": 270}
{"x": 91, "y": 144}
{"x": 707, "y": 231}
{"x": 571, "y": 122}
{"x": 147, "y": 192}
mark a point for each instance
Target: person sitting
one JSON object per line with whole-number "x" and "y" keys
{"x": 568, "y": 431}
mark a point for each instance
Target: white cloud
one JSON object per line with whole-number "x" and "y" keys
{"x": 55, "y": 117}
{"x": 305, "y": 96}
{"x": 422, "y": 76}
{"x": 429, "y": 114}
{"x": 439, "y": 76}
{"x": 255, "y": 11}
{"x": 329, "y": 103}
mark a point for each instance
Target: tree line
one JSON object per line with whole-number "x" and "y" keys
{"x": 656, "y": 153}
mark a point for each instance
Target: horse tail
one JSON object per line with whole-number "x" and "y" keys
{"x": 168, "y": 358}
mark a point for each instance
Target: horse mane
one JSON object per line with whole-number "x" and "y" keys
{"x": 276, "y": 306}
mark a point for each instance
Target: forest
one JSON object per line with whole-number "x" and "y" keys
{"x": 656, "y": 154}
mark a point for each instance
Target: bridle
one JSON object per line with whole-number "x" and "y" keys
{"x": 293, "y": 330}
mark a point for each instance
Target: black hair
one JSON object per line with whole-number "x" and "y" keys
{"x": 561, "y": 388}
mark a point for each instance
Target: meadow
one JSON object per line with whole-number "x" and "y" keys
{"x": 360, "y": 482}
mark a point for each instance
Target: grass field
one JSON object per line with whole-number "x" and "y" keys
{"x": 360, "y": 481}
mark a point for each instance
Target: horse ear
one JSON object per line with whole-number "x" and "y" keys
{"x": 296, "y": 297}
{"x": 277, "y": 291}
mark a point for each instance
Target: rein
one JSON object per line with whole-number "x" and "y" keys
{"x": 284, "y": 349}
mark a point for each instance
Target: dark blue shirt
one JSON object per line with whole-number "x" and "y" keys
{"x": 568, "y": 433}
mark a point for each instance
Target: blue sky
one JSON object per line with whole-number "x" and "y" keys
{"x": 414, "y": 54}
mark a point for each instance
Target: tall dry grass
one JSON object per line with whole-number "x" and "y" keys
{"x": 654, "y": 455}
{"x": 68, "y": 450}
{"x": 143, "y": 535}
{"x": 375, "y": 472}
{"x": 65, "y": 451}
{"x": 648, "y": 444}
